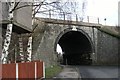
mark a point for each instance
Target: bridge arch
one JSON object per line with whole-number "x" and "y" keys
{"x": 77, "y": 47}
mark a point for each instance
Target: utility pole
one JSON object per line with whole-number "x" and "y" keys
{"x": 8, "y": 33}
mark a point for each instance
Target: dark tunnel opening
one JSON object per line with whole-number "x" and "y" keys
{"x": 76, "y": 47}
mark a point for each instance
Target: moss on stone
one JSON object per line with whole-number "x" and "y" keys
{"x": 110, "y": 32}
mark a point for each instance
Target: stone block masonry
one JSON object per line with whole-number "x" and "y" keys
{"x": 47, "y": 34}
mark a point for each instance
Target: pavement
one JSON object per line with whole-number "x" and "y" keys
{"x": 68, "y": 73}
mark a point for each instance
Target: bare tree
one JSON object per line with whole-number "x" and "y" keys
{"x": 13, "y": 6}
{"x": 55, "y": 8}
{"x": 8, "y": 33}
{"x": 61, "y": 9}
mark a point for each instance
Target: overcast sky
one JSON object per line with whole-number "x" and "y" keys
{"x": 103, "y": 9}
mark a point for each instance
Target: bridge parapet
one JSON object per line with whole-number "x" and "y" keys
{"x": 111, "y": 30}
{"x": 100, "y": 36}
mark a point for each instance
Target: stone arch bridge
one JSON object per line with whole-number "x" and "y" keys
{"x": 82, "y": 43}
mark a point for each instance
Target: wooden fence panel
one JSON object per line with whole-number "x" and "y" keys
{"x": 26, "y": 70}
{"x": 39, "y": 69}
{"x": 9, "y": 71}
{"x": 0, "y": 71}
{"x": 23, "y": 70}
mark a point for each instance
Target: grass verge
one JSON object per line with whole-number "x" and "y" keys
{"x": 52, "y": 71}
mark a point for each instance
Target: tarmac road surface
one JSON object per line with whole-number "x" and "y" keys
{"x": 99, "y": 72}
{"x": 89, "y": 73}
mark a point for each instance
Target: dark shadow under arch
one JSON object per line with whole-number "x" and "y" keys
{"x": 76, "y": 45}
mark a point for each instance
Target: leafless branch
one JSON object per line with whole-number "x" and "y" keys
{"x": 14, "y": 7}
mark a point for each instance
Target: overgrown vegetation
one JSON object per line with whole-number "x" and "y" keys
{"x": 52, "y": 71}
{"x": 110, "y": 32}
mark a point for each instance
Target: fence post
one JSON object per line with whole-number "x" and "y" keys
{"x": 49, "y": 14}
{"x": 17, "y": 71}
{"x": 43, "y": 70}
{"x": 64, "y": 15}
{"x": 76, "y": 18}
{"x": 98, "y": 20}
{"x": 88, "y": 18}
{"x": 35, "y": 70}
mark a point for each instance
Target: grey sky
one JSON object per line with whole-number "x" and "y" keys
{"x": 104, "y": 9}
{"x": 98, "y": 9}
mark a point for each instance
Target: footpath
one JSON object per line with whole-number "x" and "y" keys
{"x": 68, "y": 73}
